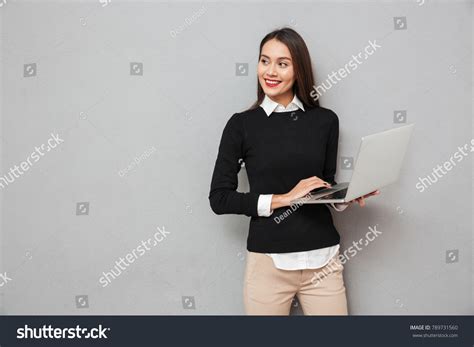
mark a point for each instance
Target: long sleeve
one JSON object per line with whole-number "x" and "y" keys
{"x": 265, "y": 205}
{"x": 223, "y": 195}
{"x": 330, "y": 162}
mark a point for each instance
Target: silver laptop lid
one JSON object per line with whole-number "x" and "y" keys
{"x": 379, "y": 160}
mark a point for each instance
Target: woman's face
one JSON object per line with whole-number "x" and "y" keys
{"x": 275, "y": 70}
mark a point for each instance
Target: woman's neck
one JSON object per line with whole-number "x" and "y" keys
{"x": 283, "y": 99}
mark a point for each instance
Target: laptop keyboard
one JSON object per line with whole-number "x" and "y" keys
{"x": 340, "y": 194}
{"x": 317, "y": 190}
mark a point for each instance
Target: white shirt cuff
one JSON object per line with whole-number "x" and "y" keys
{"x": 264, "y": 205}
{"x": 340, "y": 206}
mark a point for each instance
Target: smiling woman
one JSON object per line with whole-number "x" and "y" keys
{"x": 289, "y": 146}
{"x": 284, "y": 69}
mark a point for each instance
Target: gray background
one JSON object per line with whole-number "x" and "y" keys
{"x": 83, "y": 90}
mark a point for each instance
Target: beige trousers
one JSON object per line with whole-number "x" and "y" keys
{"x": 269, "y": 291}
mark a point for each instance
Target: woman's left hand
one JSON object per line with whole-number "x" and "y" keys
{"x": 361, "y": 199}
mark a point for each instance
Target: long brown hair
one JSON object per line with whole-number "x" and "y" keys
{"x": 304, "y": 77}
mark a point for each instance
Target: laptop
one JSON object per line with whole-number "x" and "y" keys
{"x": 378, "y": 164}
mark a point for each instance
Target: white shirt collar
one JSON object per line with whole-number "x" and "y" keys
{"x": 270, "y": 106}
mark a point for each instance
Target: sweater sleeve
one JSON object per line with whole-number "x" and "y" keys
{"x": 330, "y": 162}
{"x": 223, "y": 197}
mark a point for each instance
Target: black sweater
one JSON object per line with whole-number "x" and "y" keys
{"x": 278, "y": 150}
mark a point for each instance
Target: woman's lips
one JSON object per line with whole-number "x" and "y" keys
{"x": 272, "y": 83}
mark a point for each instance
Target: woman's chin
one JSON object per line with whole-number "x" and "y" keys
{"x": 271, "y": 92}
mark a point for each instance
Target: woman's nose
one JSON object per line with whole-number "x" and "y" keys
{"x": 271, "y": 70}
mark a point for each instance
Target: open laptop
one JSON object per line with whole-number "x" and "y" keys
{"x": 378, "y": 164}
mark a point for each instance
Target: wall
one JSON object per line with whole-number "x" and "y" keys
{"x": 84, "y": 204}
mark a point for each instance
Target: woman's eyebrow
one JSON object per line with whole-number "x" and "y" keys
{"x": 263, "y": 55}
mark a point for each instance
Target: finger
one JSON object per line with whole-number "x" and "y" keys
{"x": 314, "y": 186}
{"x": 324, "y": 182}
{"x": 315, "y": 179}
{"x": 376, "y": 192}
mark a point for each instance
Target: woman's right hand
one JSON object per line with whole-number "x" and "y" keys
{"x": 301, "y": 189}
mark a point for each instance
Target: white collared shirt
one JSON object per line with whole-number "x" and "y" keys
{"x": 295, "y": 260}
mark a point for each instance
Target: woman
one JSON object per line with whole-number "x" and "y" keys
{"x": 289, "y": 146}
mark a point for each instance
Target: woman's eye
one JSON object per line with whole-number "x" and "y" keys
{"x": 284, "y": 64}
